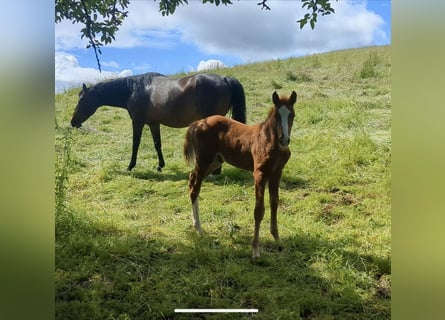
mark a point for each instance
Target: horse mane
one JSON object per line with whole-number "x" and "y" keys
{"x": 120, "y": 89}
{"x": 139, "y": 82}
{"x": 129, "y": 82}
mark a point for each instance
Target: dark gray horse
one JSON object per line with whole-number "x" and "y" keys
{"x": 155, "y": 99}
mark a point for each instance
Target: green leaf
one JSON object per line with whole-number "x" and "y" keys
{"x": 302, "y": 22}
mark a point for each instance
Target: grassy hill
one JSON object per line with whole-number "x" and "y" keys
{"x": 125, "y": 248}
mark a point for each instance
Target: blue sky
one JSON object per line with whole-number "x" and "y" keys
{"x": 198, "y": 37}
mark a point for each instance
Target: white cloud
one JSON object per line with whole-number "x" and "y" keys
{"x": 142, "y": 68}
{"x": 210, "y": 65}
{"x": 252, "y": 34}
{"x": 67, "y": 36}
{"x": 146, "y": 27}
{"x": 69, "y": 74}
{"x": 110, "y": 64}
{"x": 241, "y": 29}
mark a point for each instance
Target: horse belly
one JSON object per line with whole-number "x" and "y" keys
{"x": 179, "y": 118}
{"x": 174, "y": 114}
{"x": 172, "y": 106}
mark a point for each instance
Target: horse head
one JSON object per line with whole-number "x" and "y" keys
{"x": 284, "y": 116}
{"x": 85, "y": 108}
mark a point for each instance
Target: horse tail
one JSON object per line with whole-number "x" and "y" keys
{"x": 238, "y": 99}
{"x": 189, "y": 148}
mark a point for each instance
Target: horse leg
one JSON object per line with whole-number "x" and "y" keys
{"x": 260, "y": 184}
{"x": 137, "y": 133}
{"x": 156, "y": 135}
{"x": 274, "y": 199}
{"x": 217, "y": 171}
{"x": 195, "y": 181}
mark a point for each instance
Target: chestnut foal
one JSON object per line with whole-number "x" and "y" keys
{"x": 261, "y": 148}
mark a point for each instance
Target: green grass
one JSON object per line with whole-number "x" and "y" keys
{"x": 125, "y": 248}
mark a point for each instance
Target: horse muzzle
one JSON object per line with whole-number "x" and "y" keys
{"x": 76, "y": 124}
{"x": 284, "y": 141}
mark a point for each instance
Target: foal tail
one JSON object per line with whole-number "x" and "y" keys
{"x": 189, "y": 148}
{"x": 238, "y": 99}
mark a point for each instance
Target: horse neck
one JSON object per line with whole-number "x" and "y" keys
{"x": 113, "y": 93}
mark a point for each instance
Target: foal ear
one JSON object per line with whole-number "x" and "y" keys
{"x": 276, "y": 99}
{"x": 293, "y": 97}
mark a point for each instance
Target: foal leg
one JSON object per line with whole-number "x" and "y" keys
{"x": 260, "y": 184}
{"x": 274, "y": 199}
{"x": 156, "y": 135}
{"x": 217, "y": 162}
{"x": 137, "y": 133}
{"x": 195, "y": 181}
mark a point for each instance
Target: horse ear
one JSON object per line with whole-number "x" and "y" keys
{"x": 275, "y": 99}
{"x": 293, "y": 97}
{"x": 84, "y": 87}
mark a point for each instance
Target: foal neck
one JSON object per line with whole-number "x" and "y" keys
{"x": 269, "y": 127}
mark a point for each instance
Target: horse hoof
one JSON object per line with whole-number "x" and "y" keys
{"x": 159, "y": 169}
{"x": 256, "y": 254}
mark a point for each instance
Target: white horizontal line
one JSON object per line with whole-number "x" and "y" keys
{"x": 215, "y": 310}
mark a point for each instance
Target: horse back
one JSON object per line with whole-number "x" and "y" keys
{"x": 212, "y": 92}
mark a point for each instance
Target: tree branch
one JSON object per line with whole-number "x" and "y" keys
{"x": 90, "y": 36}
{"x": 263, "y": 5}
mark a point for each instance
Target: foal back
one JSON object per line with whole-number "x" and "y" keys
{"x": 210, "y": 142}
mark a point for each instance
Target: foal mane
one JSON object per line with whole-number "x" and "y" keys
{"x": 271, "y": 117}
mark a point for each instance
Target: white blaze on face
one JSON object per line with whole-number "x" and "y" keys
{"x": 284, "y": 115}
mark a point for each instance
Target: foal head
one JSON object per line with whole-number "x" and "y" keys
{"x": 86, "y": 106}
{"x": 284, "y": 116}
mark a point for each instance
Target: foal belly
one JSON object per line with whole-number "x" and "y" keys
{"x": 241, "y": 160}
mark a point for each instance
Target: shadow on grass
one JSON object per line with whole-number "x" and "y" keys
{"x": 103, "y": 272}
{"x": 170, "y": 174}
{"x": 291, "y": 183}
{"x": 229, "y": 175}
